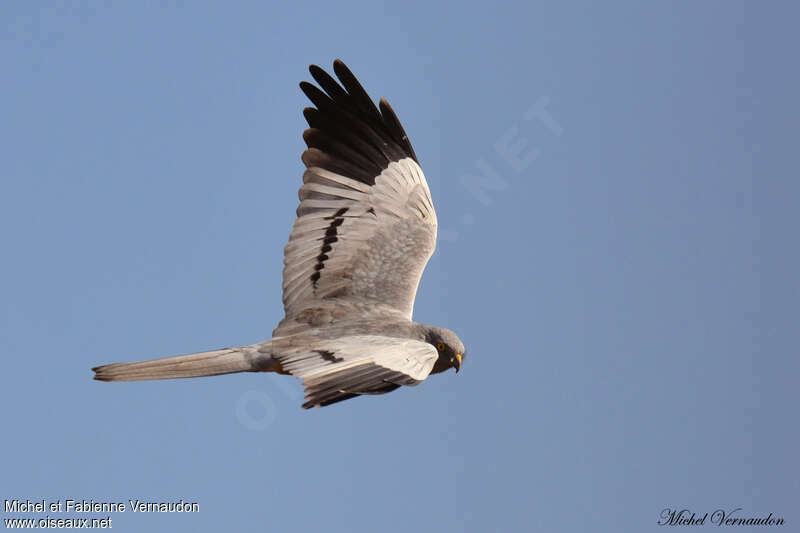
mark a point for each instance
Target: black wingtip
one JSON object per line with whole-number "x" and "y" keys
{"x": 306, "y": 86}
{"x": 316, "y": 70}
{"x": 396, "y": 127}
{"x": 354, "y": 136}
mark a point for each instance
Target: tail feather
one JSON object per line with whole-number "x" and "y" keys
{"x": 255, "y": 358}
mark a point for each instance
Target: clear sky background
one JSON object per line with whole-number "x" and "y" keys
{"x": 617, "y": 189}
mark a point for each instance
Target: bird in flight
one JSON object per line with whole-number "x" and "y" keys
{"x": 364, "y": 232}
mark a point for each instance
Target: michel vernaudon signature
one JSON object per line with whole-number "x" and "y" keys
{"x": 720, "y": 517}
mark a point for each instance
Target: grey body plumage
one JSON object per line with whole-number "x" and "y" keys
{"x": 365, "y": 230}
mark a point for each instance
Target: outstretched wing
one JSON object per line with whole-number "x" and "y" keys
{"x": 339, "y": 369}
{"x": 366, "y": 225}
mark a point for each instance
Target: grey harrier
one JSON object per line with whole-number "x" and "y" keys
{"x": 364, "y": 232}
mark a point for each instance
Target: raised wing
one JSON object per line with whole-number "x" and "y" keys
{"x": 339, "y": 369}
{"x": 366, "y": 225}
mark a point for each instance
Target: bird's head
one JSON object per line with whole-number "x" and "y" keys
{"x": 451, "y": 349}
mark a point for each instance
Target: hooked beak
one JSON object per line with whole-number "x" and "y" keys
{"x": 456, "y": 362}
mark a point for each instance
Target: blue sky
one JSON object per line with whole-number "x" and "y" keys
{"x": 617, "y": 192}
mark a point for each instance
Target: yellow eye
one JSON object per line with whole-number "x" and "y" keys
{"x": 440, "y": 346}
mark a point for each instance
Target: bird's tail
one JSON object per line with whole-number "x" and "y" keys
{"x": 254, "y": 358}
